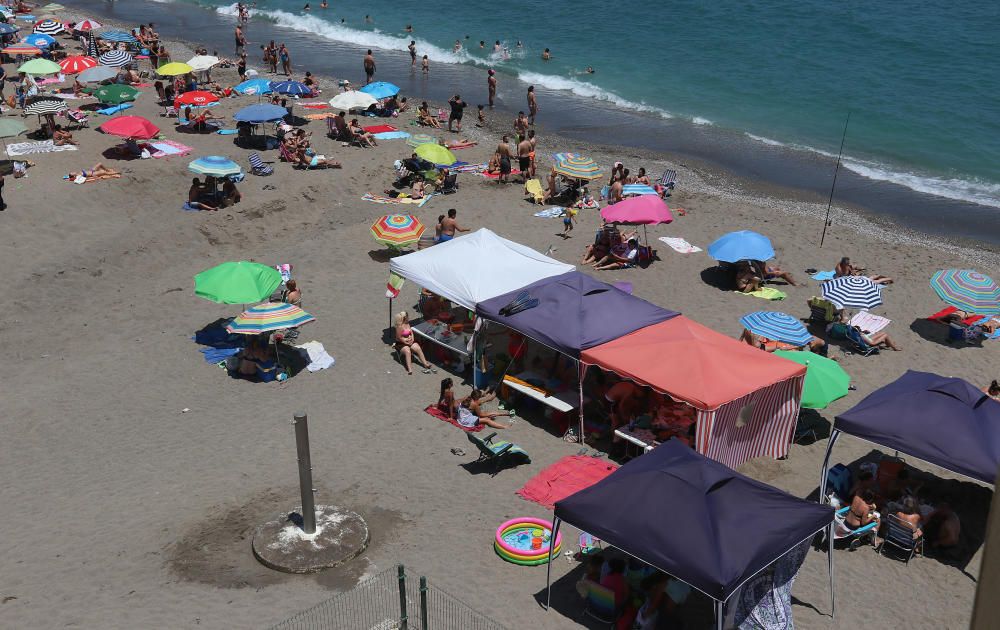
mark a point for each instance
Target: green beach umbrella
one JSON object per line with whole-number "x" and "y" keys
{"x": 435, "y": 153}
{"x": 40, "y": 67}
{"x": 237, "y": 282}
{"x": 116, "y": 93}
{"x": 10, "y": 128}
{"x": 825, "y": 380}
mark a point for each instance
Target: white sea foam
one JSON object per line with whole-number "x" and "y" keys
{"x": 762, "y": 139}
{"x": 698, "y": 120}
{"x": 588, "y": 90}
{"x": 983, "y": 193}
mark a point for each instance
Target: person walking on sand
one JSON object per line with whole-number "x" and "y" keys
{"x": 449, "y": 225}
{"x": 369, "y": 67}
{"x": 532, "y": 105}
{"x": 534, "y": 145}
{"x": 491, "y": 83}
{"x": 413, "y": 53}
{"x": 241, "y": 40}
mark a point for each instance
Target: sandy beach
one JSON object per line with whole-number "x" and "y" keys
{"x": 136, "y": 472}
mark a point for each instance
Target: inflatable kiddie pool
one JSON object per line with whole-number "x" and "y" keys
{"x": 525, "y": 540}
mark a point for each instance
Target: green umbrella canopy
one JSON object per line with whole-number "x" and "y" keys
{"x": 116, "y": 93}
{"x": 825, "y": 380}
{"x": 39, "y": 67}
{"x": 237, "y": 282}
{"x": 435, "y": 153}
{"x": 10, "y": 128}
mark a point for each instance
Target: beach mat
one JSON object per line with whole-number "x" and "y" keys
{"x": 567, "y": 476}
{"x": 319, "y": 116}
{"x": 497, "y": 175}
{"x": 34, "y": 148}
{"x": 379, "y": 128}
{"x": 680, "y": 245}
{"x": 169, "y": 148}
{"x": 823, "y": 275}
{"x": 227, "y": 132}
{"x": 437, "y": 413}
{"x": 765, "y": 293}
{"x": 111, "y": 111}
{"x": 391, "y": 135}
{"x": 396, "y": 200}
{"x": 550, "y": 213}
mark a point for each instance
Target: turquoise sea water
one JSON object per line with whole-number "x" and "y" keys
{"x": 920, "y": 80}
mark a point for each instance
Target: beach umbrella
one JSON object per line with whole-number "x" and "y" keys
{"x": 77, "y": 64}
{"x": 200, "y": 63}
{"x": 240, "y": 282}
{"x": 40, "y": 66}
{"x": 825, "y": 380}
{"x": 852, "y": 292}
{"x": 352, "y": 100}
{"x": 53, "y": 7}
{"x": 418, "y": 139}
{"x": 267, "y": 317}
{"x": 116, "y": 93}
{"x": 967, "y": 290}
{"x": 435, "y": 153}
{"x": 131, "y": 127}
{"x": 290, "y": 88}
{"x": 48, "y": 27}
{"x": 97, "y": 74}
{"x": 741, "y": 245}
{"x": 87, "y": 25}
{"x": 115, "y": 59}
{"x": 46, "y": 106}
{"x": 174, "y": 69}
{"x": 117, "y": 36}
{"x": 39, "y": 40}
{"x": 576, "y": 166}
{"x": 197, "y": 98}
{"x": 642, "y": 210}
{"x": 7, "y": 29}
{"x": 91, "y": 50}
{"x": 398, "y": 230}
{"x": 777, "y": 327}
{"x": 254, "y": 86}
{"x": 10, "y": 128}
{"x": 23, "y": 50}
{"x": 264, "y": 112}
{"x": 380, "y": 89}
{"x": 215, "y": 165}
{"x": 629, "y": 190}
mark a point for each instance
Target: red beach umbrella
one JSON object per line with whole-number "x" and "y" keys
{"x": 77, "y": 64}
{"x": 197, "y": 98}
{"x": 88, "y": 25}
{"x": 131, "y": 127}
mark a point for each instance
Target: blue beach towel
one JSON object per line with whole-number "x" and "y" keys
{"x": 227, "y": 132}
{"x": 215, "y": 355}
{"x": 391, "y": 135}
{"x": 824, "y": 275}
{"x": 110, "y": 111}
{"x": 189, "y": 208}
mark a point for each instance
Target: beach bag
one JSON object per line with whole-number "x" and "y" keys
{"x": 644, "y": 256}
{"x": 837, "y": 330}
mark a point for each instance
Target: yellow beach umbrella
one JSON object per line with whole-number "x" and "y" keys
{"x": 436, "y": 153}
{"x": 174, "y": 69}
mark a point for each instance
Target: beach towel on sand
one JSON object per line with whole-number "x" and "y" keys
{"x": 227, "y": 132}
{"x": 766, "y": 293}
{"x": 680, "y": 245}
{"x": 319, "y": 359}
{"x": 550, "y": 213}
{"x": 497, "y": 175}
{"x": 319, "y": 116}
{"x": 823, "y": 275}
{"x": 391, "y": 135}
{"x": 111, "y": 111}
{"x": 565, "y": 477}
{"x": 169, "y": 148}
{"x": 437, "y": 413}
{"x": 396, "y": 200}
{"x": 30, "y": 148}
{"x": 379, "y": 128}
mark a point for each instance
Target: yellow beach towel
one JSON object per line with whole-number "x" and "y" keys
{"x": 766, "y": 293}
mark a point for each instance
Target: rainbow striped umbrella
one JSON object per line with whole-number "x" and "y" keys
{"x": 267, "y": 317}
{"x": 968, "y": 290}
{"x": 577, "y": 166}
{"x": 777, "y": 327}
{"x": 21, "y": 49}
{"x": 418, "y": 139}
{"x": 398, "y": 230}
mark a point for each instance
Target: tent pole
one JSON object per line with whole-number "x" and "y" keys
{"x": 556, "y": 522}
{"x": 719, "y": 609}
{"x": 833, "y": 599}
{"x": 582, "y": 371}
{"x": 826, "y": 466}
{"x": 390, "y": 314}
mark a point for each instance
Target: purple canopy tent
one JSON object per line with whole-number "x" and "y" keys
{"x": 942, "y": 420}
{"x": 575, "y": 312}
{"x": 694, "y": 519}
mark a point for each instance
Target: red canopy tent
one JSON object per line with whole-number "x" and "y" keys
{"x": 747, "y": 400}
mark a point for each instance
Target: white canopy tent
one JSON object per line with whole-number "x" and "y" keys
{"x": 473, "y": 268}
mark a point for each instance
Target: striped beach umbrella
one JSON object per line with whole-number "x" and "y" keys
{"x": 577, "y": 166}
{"x": 196, "y": 98}
{"x": 852, "y": 292}
{"x": 267, "y": 317}
{"x": 290, "y": 88}
{"x": 47, "y": 106}
{"x": 92, "y": 50}
{"x": 117, "y": 36}
{"x": 777, "y": 327}
{"x": 967, "y": 290}
{"x": 825, "y": 380}
{"x": 23, "y": 50}
{"x": 39, "y": 67}
{"x": 741, "y": 245}
{"x": 418, "y": 139}
{"x": 398, "y": 230}
{"x": 216, "y": 166}
{"x": 174, "y": 69}
{"x": 240, "y": 282}
{"x": 87, "y": 25}
{"x": 39, "y": 40}
{"x": 77, "y": 64}
{"x": 48, "y": 27}
{"x": 115, "y": 59}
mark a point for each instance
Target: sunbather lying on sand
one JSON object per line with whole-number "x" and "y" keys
{"x": 97, "y": 171}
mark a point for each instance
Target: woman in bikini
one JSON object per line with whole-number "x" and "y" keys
{"x": 98, "y": 171}
{"x": 471, "y": 413}
{"x": 408, "y": 346}
{"x": 862, "y": 511}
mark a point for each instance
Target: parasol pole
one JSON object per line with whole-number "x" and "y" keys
{"x": 826, "y": 222}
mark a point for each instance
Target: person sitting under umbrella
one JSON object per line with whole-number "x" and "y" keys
{"x": 196, "y": 194}
{"x": 230, "y": 194}
{"x": 770, "y": 273}
{"x": 62, "y": 137}
{"x": 747, "y": 280}
{"x": 620, "y": 257}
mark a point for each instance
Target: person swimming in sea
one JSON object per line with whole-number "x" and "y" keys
{"x": 323, "y": 4}
{"x": 590, "y": 70}
{"x": 546, "y": 55}
{"x": 306, "y": 8}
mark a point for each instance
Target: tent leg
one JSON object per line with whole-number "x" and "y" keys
{"x": 833, "y": 599}
{"x": 719, "y": 617}
{"x": 390, "y": 312}
{"x": 582, "y": 371}
{"x": 556, "y": 522}
{"x": 826, "y": 466}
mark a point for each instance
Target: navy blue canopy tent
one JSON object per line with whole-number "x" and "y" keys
{"x": 694, "y": 519}
{"x": 942, "y": 420}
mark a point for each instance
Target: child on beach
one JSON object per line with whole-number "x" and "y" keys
{"x": 426, "y": 65}
{"x": 481, "y": 121}
{"x": 569, "y": 216}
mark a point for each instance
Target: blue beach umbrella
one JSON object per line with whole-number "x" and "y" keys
{"x": 742, "y": 245}
{"x": 261, "y": 113}
{"x": 254, "y": 86}
{"x": 852, "y": 292}
{"x": 290, "y": 88}
{"x": 39, "y": 40}
{"x": 215, "y": 165}
{"x": 7, "y": 29}
{"x": 777, "y": 327}
{"x": 117, "y": 36}
{"x": 380, "y": 89}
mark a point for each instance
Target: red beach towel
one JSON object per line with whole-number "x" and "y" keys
{"x": 497, "y": 175}
{"x": 565, "y": 477}
{"x": 380, "y": 129}
{"x": 437, "y": 413}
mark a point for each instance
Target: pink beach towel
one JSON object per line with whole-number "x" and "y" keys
{"x": 437, "y": 413}
{"x": 565, "y": 477}
{"x": 169, "y": 148}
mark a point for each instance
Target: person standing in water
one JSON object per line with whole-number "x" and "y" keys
{"x": 370, "y": 66}
{"x": 413, "y": 53}
{"x": 241, "y": 40}
{"x": 546, "y": 55}
{"x": 491, "y": 83}
{"x": 532, "y": 105}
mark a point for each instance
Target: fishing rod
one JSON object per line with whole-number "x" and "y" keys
{"x": 826, "y": 222}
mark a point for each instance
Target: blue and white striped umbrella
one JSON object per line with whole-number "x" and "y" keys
{"x": 115, "y": 59}
{"x": 852, "y": 292}
{"x": 777, "y": 327}
{"x": 48, "y": 27}
{"x": 117, "y": 36}
{"x": 637, "y": 189}
{"x": 215, "y": 165}
{"x": 39, "y": 40}
{"x": 254, "y": 86}
{"x": 291, "y": 88}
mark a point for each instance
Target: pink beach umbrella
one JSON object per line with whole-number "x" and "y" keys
{"x": 641, "y": 210}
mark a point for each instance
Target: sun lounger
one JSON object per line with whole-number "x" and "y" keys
{"x": 498, "y": 452}
{"x": 900, "y": 535}
{"x": 857, "y": 537}
{"x": 858, "y": 344}
{"x": 258, "y": 167}
{"x": 600, "y": 603}
{"x": 533, "y": 189}
{"x": 869, "y": 322}
{"x": 450, "y": 184}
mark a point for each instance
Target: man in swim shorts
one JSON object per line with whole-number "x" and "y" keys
{"x": 449, "y": 225}
{"x": 369, "y": 67}
{"x": 524, "y": 158}
{"x": 503, "y": 155}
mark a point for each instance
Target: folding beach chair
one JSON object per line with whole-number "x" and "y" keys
{"x": 821, "y": 311}
{"x": 258, "y": 167}
{"x": 77, "y": 117}
{"x": 900, "y": 535}
{"x": 497, "y": 452}
{"x": 450, "y": 184}
{"x": 857, "y": 537}
{"x": 600, "y": 603}
{"x": 858, "y": 344}
{"x": 285, "y": 155}
{"x": 666, "y": 182}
